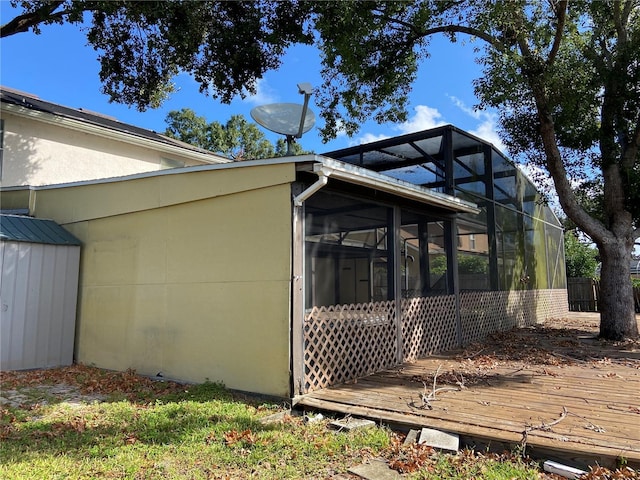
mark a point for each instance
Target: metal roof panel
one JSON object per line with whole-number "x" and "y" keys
{"x": 18, "y": 228}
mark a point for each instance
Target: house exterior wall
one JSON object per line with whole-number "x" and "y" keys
{"x": 187, "y": 275}
{"x": 43, "y": 153}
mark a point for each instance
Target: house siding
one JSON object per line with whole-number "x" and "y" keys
{"x": 39, "y": 153}
{"x": 191, "y": 280}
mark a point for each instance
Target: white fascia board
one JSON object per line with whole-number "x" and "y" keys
{"x": 368, "y": 178}
{"x": 113, "y": 134}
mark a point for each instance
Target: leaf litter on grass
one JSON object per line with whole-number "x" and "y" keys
{"x": 144, "y": 428}
{"x": 199, "y": 431}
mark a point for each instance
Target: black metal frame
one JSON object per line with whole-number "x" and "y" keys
{"x": 441, "y": 151}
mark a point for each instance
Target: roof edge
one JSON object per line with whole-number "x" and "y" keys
{"x": 109, "y": 133}
{"x": 24, "y": 229}
{"x": 368, "y": 178}
{"x": 318, "y": 163}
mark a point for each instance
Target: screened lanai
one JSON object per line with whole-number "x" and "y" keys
{"x": 515, "y": 243}
{"x": 387, "y": 280}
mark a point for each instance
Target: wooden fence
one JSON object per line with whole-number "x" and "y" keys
{"x": 584, "y": 293}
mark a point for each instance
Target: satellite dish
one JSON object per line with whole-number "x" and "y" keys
{"x": 284, "y": 118}
{"x": 288, "y": 119}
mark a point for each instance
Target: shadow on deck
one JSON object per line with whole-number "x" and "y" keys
{"x": 555, "y": 389}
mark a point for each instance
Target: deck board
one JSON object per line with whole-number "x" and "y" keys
{"x": 507, "y": 398}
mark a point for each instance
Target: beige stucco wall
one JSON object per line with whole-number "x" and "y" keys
{"x": 42, "y": 153}
{"x": 187, "y": 275}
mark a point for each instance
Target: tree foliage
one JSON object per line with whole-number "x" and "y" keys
{"x": 467, "y": 264}
{"x": 142, "y": 45}
{"x": 581, "y": 258}
{"x": 237, "y": 139}
{"x": 565, "y": 77}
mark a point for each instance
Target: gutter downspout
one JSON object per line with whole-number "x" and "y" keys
{"x": 323, "y": 178}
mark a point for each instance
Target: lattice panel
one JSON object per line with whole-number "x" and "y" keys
{"x": 345, "y": 342}
{"x": 428, "y": 326}
{"x": 482, "y": 313}
{"x": 558, "y": 303}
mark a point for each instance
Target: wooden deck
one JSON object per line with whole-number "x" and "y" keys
{"x": 564, "y": 394}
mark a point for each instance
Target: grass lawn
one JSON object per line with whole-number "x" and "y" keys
{"x": 81, "y": 422}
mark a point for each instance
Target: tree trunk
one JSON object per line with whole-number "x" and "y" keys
{"x": 617, "y": 313}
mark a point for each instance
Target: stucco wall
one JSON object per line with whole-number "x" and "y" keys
{"x": 195, "y": 285}
{"x": 39, "y": 153}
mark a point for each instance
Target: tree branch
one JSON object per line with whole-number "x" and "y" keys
{"x": 543, "y": 426}
{"x": 474, "y": 32}
{"x": 630, "y": 153}
{"x": 382, "y": 16}
{"x": 562, "y": 17}
{"x": 628, "y": 8}
{"x": 450, "y": 28}
{"x": 620, "y": 19}
{"x": 22, "y": 23}
{"x": 555, "y": 166}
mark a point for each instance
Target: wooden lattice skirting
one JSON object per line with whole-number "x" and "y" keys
{"x": 346, "y": 342}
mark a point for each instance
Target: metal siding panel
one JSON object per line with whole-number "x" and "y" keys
{"x": 21, "y": 301}
{"x": 9, "y": 254}
{"x": 71, "y": 272}
{"x": 31, "y": 320}
{"x": 15, "y": 297}
{"x": 40, "y": 313}
{"x": 38, "y": 293}
{"x": 45, "y": 309}
{"x": 58, "y": 283}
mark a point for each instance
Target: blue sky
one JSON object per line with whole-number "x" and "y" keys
{"x": 58, "y": 66}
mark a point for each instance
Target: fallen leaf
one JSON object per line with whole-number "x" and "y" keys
{"x": 233, "y": 436}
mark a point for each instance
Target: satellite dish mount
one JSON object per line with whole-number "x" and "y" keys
{"x": 288, "y": 119}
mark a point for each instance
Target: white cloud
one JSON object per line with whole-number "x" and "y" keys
{"x": 367, "y": 138}
{"x": 487, "y": 129}
{"x": 264, "y": 93}
{"x": 424, "y": 119}
{"x": 340, "y": 131}
{"x": 468, "y": 110}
